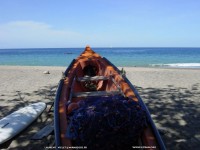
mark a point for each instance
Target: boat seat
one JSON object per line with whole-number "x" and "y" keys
{"x": 95, "y": 93}
{"x": 94, "y": 78}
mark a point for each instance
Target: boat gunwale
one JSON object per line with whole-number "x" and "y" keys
{"x": 56, "y": 106}
{"x": 59, "y": 91}
{"x": 155, "y": 131}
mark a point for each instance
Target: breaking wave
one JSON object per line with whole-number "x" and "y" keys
{"x": 178, "y": 65}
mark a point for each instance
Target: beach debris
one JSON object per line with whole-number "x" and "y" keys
{"x": 122, "y": 72}
{"x": 44, "y": 132}
{"x": 46, "y": 72}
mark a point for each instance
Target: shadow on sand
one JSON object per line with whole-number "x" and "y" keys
{"x": 20, "y": 99}
{"x": 176, "y": 112}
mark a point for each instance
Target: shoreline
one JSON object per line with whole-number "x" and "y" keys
{"x": 145, "y": 67}
{"x": 171, "y": 95}
{"x": 138, "y": 76}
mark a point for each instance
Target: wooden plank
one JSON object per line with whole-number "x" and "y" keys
{"x": 48, "y": 129}
{"x": 113, "y": 80}
{"x": 96, "y": 93}
{"x": 117, "y": 85}
{"x": 95, "y": 78}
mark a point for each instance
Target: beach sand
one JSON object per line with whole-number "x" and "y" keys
{"x": 172, "y": 96}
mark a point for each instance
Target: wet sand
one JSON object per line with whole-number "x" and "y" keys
{"x": 172, "y": 96}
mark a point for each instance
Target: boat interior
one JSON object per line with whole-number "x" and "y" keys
{"x": 93, "y": 77}
{"x": 89, "y": 76}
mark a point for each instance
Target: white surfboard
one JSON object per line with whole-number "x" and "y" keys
{"x": 14, "y": 123}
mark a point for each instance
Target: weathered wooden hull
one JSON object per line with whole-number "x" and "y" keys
{"x": 70, "y": 90}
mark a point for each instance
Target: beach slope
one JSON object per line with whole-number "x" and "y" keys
{"x": 172, "y": 96}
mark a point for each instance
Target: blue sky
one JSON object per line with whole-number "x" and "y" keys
{"x": 99, "y": 23}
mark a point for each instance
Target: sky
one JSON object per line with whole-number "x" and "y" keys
{"x": 99, "y": 23}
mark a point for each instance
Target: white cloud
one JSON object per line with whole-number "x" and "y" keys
{"x": 36, "y": 34}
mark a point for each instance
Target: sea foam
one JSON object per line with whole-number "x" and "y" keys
{"x": 178, "y": 65}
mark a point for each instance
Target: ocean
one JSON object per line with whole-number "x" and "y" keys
{"x": 121, "y": 57}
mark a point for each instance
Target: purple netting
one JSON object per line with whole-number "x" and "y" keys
{"x": 106, "y": 123}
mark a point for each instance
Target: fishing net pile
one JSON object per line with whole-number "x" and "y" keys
{"x": 106, "y": 123}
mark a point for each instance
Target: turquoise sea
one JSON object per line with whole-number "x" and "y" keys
{"x": 142, "y": 57}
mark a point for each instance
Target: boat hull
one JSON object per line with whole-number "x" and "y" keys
{"x": 73, "y": 86}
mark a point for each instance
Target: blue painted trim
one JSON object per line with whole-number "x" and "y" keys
{"x": 56, "y": 108}
{"x": 69, "y": 67}
{"x": 56, "y": 116}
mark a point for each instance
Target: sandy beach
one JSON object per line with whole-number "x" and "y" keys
{"x": 172, "y": 96}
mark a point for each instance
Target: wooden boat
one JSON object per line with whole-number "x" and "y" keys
{"x": 109, "y": 82}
